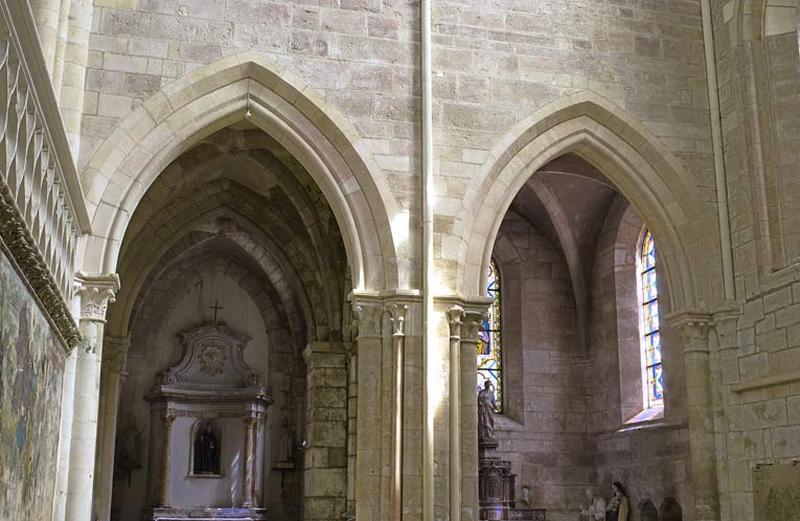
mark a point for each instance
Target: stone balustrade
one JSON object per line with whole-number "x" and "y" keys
{"x": 42, "y": 209}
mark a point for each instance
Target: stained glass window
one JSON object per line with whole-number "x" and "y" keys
{"x": 653, "y": 374}
{"x": 490, "y": 343}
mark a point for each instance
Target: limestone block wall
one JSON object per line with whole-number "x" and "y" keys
{"x": 571, "y": 432}
{"x": 651, "y": 459}
{"x": 494, "y": 66}
{"x": 32, "y": 362}
{"x": 757, "y": 365}
{"x": 547, "y": 440}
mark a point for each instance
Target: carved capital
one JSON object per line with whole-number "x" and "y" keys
{"x": 455, "y": 316}
{"x": 169, "y": 418}
{"x": 369, "y": 317}
{"x": 95, "y": 293}
{"x": 397, "y": 316}
{"x": 471, "y": 326}
{"x": 693, "y": 327}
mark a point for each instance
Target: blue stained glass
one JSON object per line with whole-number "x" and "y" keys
{"x": 489, "y": 348}
{"x": 651, "y": 338}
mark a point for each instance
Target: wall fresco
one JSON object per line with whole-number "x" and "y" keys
{"x": 31, "y": 373}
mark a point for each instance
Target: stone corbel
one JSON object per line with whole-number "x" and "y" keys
{"x": 693, "y": 327}
{"x": 725, "y": 321}
{"x": 95, "y": 293}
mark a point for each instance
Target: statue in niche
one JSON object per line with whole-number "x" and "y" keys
{"x": 526, "y": 496}
{"x": 207, "y": 448}
{"x": 486, "y": 412}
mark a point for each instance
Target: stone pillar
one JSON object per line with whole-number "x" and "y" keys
{"x": 325, "y": 459}
{"x": 76, "y": 56}
{"x": 454, "y": 316}
{"x": 471, "y": 321}
{"x": 725, "y": 371}
{"x": 248, "y": 478}
{"x": 397, "y": 317}
{"x": 115, "y": 351}
{"x": 94, "y": 294}
{"x": 47, "y": 14}
{"x": 65, "y": 438}
{"x": 166, "y": 461}
{"x": 369, "y": 347}
{"x": 694, "y": 329}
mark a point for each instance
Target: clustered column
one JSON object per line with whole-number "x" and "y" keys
{"x": 94, "y": 294}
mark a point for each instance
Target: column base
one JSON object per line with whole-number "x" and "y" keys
{"x": 204, "y": 514}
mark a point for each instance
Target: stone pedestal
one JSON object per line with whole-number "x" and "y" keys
{"x": 496, "y": 480}
{"x": 496, "y": 484}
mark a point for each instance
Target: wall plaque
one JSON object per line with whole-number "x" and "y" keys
{"x": 776, "y": 492}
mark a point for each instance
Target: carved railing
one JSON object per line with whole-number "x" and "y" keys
{"x": 42, "y": 210}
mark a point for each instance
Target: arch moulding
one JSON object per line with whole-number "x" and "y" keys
{"x": 632, "y": 158}
{"x": 213, "y": 97}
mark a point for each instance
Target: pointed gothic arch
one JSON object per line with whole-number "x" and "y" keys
{"x": 648, "y": 175}
{"x": 214, "y": 97}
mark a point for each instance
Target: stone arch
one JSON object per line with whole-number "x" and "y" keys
{"x": 629, "y": 156}
{"x": 670, "y": 510}
{"x": 214, "y": 97}
{"x": 647, "y": 510}
{"x": 271, "y": 262}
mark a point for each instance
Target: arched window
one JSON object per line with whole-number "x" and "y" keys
{"x": 490, "y": 345}
{"x": 652, "y": 373}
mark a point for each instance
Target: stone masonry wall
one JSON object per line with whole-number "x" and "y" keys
{"x": 546, "y": 442}
{"x": 650, "y": 459}
{"x": 495, "y": 63}
{"x": 756, "y": 371}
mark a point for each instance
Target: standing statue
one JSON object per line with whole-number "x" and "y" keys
{"x": 595, "y": 509}
{"x": 486, "y": 408}
{"x": 618, "y": 507}
{"x": 206, "y": 451}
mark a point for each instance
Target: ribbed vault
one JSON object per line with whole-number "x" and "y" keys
{"x": 240, "y": 203}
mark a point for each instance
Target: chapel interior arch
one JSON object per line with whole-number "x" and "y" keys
{"x": 233, "y": 232}
{"x": 566, "y": 248}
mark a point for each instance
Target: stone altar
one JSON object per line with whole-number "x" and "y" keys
{"x": 207, "y": 432}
